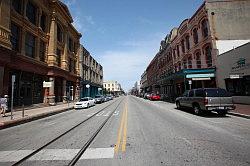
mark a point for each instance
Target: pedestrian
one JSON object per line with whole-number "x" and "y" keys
{"x": 4, "y": 105}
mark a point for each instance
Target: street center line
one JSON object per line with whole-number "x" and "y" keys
{"x": 125, "y": 130}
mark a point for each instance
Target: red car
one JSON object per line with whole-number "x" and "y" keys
{"x": 154, "y": 97}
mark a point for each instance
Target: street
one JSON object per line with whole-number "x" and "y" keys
{"x": 129, "y": 131}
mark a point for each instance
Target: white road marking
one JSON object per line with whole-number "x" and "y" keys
{"x": 98, "y": 153}
{"x": 107, "y": 114}
{"x": 90, "y": 114}
{"x": 116, "y": 113}
{"x": 56, "y": 154}
{"x": 100, "y": 114}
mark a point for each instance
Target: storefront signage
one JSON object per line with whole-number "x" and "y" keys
{"x": 241, "y": 64}
{"x": 199, "y": 79}
{"x": 208, "y": 75}
{"x": 234, "y": 76}
{"x": 47, "y": 84}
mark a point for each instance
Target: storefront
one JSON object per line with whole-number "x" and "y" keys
{"x": 233, "y": 73}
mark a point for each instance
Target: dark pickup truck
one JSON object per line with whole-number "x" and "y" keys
{"x": 206, "y": 100}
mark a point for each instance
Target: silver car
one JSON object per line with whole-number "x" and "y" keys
{"x": 206, "y": 100}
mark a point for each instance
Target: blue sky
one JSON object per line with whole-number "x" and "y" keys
{"x": 124, "y": 35}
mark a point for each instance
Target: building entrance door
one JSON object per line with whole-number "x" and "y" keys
{"x": 26, "y": 93}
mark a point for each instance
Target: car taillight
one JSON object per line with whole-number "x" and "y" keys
{"x": 205, "y": 101}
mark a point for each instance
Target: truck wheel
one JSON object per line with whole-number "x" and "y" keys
{"x": 197, "y": 109}
{"x": 178, "y": 105}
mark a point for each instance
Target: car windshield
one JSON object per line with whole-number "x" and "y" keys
{"x": 84, "y": 99}
{"x": 217, "y": 93}
{"x": 98, "y": 96}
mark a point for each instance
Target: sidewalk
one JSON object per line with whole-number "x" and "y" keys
{"x": 31, "y": 114}
{"x": 241, "y": 110}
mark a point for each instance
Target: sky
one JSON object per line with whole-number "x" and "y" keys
{"x": 125, "y": 35}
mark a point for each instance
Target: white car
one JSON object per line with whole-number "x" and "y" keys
{"x": 85, "y": 102}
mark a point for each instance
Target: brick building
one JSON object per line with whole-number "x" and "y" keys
{"x": 38, "y": 43}
{"x": 187, "y": 56}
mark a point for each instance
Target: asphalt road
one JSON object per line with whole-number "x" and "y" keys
{"x": 139, "y": 132}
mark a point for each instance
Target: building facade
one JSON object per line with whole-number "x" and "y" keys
{"x": 91, "y": 73}
{"x": 188, "y": 55}
{"x": 233, "y": 73}
{"x": 38, "y": 43}
{"x": 112, "y": 87}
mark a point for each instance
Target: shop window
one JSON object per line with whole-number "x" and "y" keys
{"x": 208, "y": 56}
{"x": 31, "y": 11}
{"x": 59, "y": 33}
{"x": 17, "y": 5}
{"x": 190, "y": 62}
{"x": 43, "y": 22}
{"x": 183, "y": 46}
{"x": 195, "y": 35}
{"x": 204, "y": 28}
{"x": 187, "y": 42}
{"x": 198, "y": 60}
{"x": 42, "y": 51}
{"x": 15, "y": 31}
{"x": 58, "y": 57}
{"x": 30, "y": 45}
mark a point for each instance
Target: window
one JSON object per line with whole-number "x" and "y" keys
{"x": 17, "y": 4}
{"x": 59, "y": 33}
{"x": 208, "y": 56}
{"x": 42, "y": 51}
{"x": 200, "y": 93}
{"x": 190, "y": 62}
{"x": 204, "y": 28}
{"x": 31, "y": 12}
{"x": 30, "y": 45}
{"x": 43, "y": 22}
{"x": 178, "y": 51}
{"x": 187, "y": 42}
{"x": 182, "y": 46}
{"x": 191, "y": 93}
{"x": 71, "y": 45}
{"x": 15, "y": 30}
{"x": 70, "y": 64}
{"x": 179, "y": 67}
{"x": 198, "y": 60}
{"x": 58, "y": 57}
{"x": 195, "y": 35}
{"x": 185, "y": 63}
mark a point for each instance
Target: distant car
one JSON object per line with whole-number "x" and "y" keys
{"x": 146, "y": 96}
{"x": 110, "y": 97}
{"x": 99, "y": 99}
{"x": 154, "y": 97}
{"x": 85, "y": 102}
{"x": 206, "y": 100}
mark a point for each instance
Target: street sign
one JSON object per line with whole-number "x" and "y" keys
{"x": 234, "y": 76}
{"x": 47, "y": 84}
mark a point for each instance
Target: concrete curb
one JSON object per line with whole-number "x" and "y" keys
{"x": 239, "y": 115}
{"x": 26, "y": 119}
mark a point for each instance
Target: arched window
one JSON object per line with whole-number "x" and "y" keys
{"x": 182, "y": 46}
{"x": 208, "y": 55}
{"x": 190, "y": 66}
{"x": 187, "y": 42}
{"x": 195, "y": 35}
{"x": 198, "y": 60}
{"x": 184, "y": 63}
{"x": 204, "y": 27}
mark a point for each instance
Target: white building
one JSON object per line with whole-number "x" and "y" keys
{"x": 112, "y": 87}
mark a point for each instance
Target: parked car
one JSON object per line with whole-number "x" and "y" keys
{"x": 146, "y": 96}
{"x": 110, "y": 97}
{"x": 99, "y": 99}
{"x": 206, "y": 100}
{"x": 85, "y": 102}
{"x": 154, "y": 96}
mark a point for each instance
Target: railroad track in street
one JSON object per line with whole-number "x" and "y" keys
{"x": 85, "y": 146}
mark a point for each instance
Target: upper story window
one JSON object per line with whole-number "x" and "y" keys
{"x": 174, "y": 55}
{"x": 15, "y": 37}
{"x": 187, "y": 42}
{"x": 179, "y": 66}
{"x": 195, "y": 35}
{"x": 42, "y": 51}
{"x": 31, "y": 12}
{"x": 58, "y": 57}
{"x": 17, "y": 5}
{"x": 182, "y": 46}
{"x": 204, "y": 28}
{"x": 70, "y": 45}
{"x": 178, "y": 50}
{"x": 190, "y": 62}
{"x": 184, "y": 63}
{"x": 30, "y": 45}
{"x": 198, "y": 60}
{"x": 59, "y": 33}
{"x": 208, "y": 55}
{"x": 43, "y": 22}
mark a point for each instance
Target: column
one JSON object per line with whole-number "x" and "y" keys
{"x": 52, "y": 41}
{"x": 64, "y": 91}
{"x": 51, "y": 96}
{"x": 5, "y": 23}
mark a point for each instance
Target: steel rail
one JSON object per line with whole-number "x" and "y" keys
{"x": 66, "y": 132}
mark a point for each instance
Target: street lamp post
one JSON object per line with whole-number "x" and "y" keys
{"x": 88, "y": 86}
